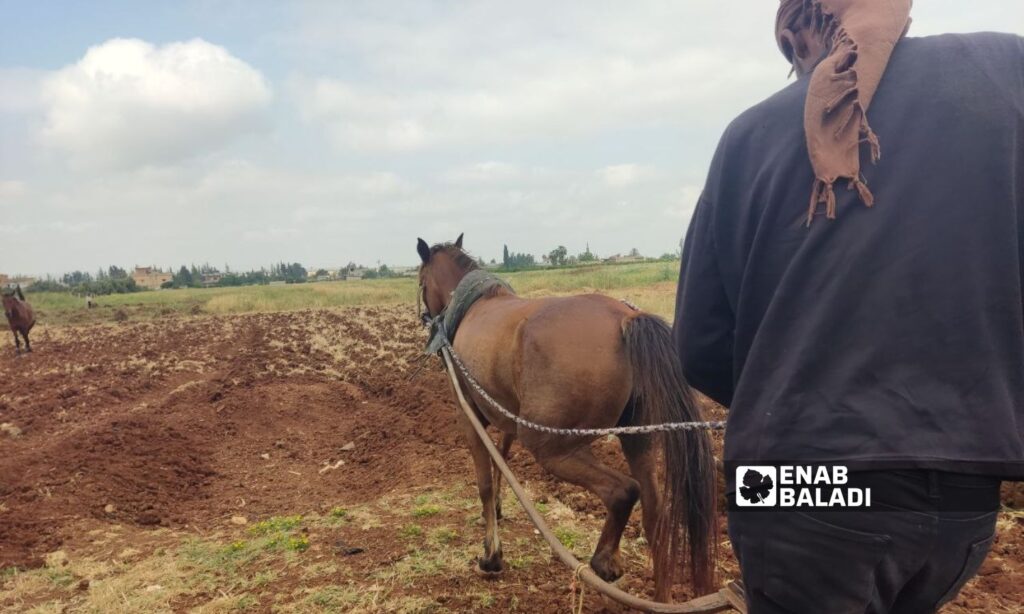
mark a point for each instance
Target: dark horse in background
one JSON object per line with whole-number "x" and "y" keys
{"x": 585, "y": 361}
{"x": 19, "y": 316}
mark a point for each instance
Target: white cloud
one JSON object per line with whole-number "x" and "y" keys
{"x": 684, "y": 202}
{"x": 20, "y": 87}
{"x": 271, "y": 234}
{"x": 11, "y": 190}
{"x": 127, "y": 103}
{"x": 297, "y": 193}
{"x": 622, "y": 175}
{"x": 492, "y": 73}
{"x": 482, "y": 173}
{"x": 516, "y": 102}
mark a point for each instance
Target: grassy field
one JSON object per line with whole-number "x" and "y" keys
{"x": 650, "y": 285}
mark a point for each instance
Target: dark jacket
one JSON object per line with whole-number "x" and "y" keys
{"x": 893, "y": 334}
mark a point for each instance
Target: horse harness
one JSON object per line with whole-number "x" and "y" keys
{"x": 474, "y": 286}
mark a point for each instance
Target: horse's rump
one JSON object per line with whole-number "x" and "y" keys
{"x": 561, "y": 359}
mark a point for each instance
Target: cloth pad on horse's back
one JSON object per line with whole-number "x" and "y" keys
{"x": 473, "y": 286}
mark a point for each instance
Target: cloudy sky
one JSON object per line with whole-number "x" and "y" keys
{"x": 251, "y": 132}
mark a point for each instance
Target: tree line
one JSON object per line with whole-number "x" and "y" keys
{"x": 116, "y": 280}
{"x": 560, "y": 256}
{"x": 112, "y": 280}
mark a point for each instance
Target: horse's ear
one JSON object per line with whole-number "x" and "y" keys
{"x": 423, "y": 249}
{"x": 458, "y": 242}
{"x": 21, "y": 295}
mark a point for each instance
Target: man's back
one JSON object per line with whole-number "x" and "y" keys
{"x": 894, "y": 333}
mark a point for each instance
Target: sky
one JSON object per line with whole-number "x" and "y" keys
{"x": 248, "y": 132}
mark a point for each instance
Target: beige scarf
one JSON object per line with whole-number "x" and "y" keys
{"x": 862, "y": 34}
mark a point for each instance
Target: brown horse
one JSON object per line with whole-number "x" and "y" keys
{"x": 19, "y": 316}
{"x": 585, "y": 361}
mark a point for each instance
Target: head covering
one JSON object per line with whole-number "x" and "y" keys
{"x": 862, "y": 35}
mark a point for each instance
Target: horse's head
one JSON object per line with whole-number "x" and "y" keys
{"x": 443, "y": 267}
{"x": 9, "y": 301}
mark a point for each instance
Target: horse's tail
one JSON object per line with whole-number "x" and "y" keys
{"x": 688, "y": 520}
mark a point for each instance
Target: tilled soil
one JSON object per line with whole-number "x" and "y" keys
{"x": 182, "y": 423}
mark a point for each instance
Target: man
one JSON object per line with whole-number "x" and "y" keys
{"x": 866, "y": 311}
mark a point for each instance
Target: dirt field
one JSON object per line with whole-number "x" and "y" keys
{"x": 283, "y": 462}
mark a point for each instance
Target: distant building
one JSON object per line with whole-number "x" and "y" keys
{"x": 620, "y": 258}
{"x": 150, "y": 277}
{"x": 4, "y": 280}
{"x": 24, "y": 282}
{"x": 351, "y": 271}
{"x": 210, "y": 279}
{"x": 322, "y": 274}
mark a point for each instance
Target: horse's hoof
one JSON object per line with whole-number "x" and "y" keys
{"x": 490, "y": 567}
{"x": 608, "y": 568}
{"x": 487, "y": 575}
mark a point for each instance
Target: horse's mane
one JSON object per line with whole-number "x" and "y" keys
{"x": 459, "y": 255}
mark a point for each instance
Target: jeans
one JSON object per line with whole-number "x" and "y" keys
{"x": 926, "y": 534}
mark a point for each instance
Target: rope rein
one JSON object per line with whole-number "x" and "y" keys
{"x": 616, "y": 430}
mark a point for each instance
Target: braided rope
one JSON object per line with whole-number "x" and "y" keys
{"x": 617, "y": 430}
{"x": 576, "y": 606}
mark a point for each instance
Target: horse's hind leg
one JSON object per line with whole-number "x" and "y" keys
{"x": 643, "y": 465}
{"x": 28, "y": 346}
{"x": 618, "y": 492}
{"x": 640, "y": 453}
{"x": 504, "y": 447}
{"x": 492, "y": 559}
{"x": 17, "y": 343}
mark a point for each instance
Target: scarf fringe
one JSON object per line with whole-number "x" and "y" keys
{"x": 824, "y": 192}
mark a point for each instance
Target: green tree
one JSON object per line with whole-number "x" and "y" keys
{"x": 558, "y": 256}
{"x": 183, "y": 278}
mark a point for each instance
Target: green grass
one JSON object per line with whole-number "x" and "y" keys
{"x": 411, "y": 530}
{"x": 484, "y": 599}
{"x": 650, "y": 285}
{"x": 61, "y": 577}
{"x": 276, "y": 524}
{"x": 569, "y": 537}
{"x": 602, "y": 277}
{"x": 444, "y": 535}
{"x": 261, "y": 567}
{"x": 246, "y": 603}
{"x": 426, "y": 510}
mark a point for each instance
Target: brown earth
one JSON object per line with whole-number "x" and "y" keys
{"x": 152, "y": 432}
